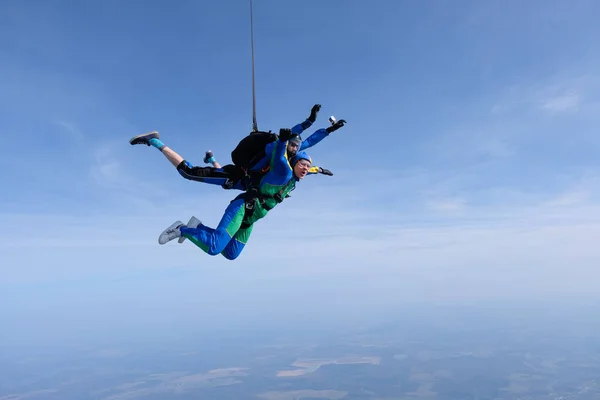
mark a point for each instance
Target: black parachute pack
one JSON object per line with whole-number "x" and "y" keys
{"x": 245, "y": 155}
{"x": 251, "y": 149}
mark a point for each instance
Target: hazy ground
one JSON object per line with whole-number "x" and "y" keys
{"x": 446, "y": 354}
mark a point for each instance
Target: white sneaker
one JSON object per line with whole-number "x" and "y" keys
{"x": 172, "y": 232}
{"x": 192, "y": 223}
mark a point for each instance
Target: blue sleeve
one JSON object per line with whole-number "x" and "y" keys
{"x": 301, "y": 127}
{"x": 279, "y": 162}
{"x": 313, "y": 139}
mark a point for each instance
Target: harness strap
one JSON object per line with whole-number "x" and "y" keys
{"x": 252, "y": 198}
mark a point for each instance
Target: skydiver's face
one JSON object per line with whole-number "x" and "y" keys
{"x": 301, "y": 168}
{"x": 292, "y": 148}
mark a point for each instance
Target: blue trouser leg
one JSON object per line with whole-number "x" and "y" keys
{"x": 237, "y": 244}
{"x": 214, "y": 241}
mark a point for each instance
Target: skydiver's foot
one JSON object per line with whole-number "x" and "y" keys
{"x": 209, "y": 158}
{"x": 172, "y": 232}
{"x": 192, "y": 223}
{"x": 144, "y": 138}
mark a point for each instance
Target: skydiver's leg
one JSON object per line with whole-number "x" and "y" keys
{"x": 237, "y": 243}
{"x": 171, "y": 155}
{"x": 209, "y": 158}
{"x": 228, "y": 177}
{"x": 214, "y": 241}
{"x": 152, "y": 139}
{"x": 235, "y": 174}
{"x": 212, "y": 175}
{"x": 237, "y": 185}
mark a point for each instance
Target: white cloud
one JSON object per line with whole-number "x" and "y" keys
{"x": 450, "y": 204}
{"x": 560, "y": 94}
{"x": 303, "y": 237}
{"x": 569, "y": 199}
{"x": 561, "y": 103}
{"x": 106, "y": 171}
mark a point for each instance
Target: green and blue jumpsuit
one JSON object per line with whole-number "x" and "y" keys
{"x": 235, "y": 227}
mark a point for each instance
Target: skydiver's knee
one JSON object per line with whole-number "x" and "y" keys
{"x": 230, "y": 256}
{"x": 233, "y": 249}
{"x": 185, "y": 169}
{"x": 216, "y": 247}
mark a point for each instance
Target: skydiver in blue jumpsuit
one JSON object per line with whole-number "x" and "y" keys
{"x": 229, "y": 176}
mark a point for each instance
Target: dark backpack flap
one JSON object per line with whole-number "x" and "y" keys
{"x": 251, "y": 148}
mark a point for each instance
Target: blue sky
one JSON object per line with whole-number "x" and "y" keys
{"x": 467, "y": 171}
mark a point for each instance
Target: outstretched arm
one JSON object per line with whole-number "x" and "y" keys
{"x": 279, "y": 162}
{"x": 319, "y": 170}
{"x": 320, "y": 134}
{"x": 307, "y": 123}
{"x": 313, "y": 139}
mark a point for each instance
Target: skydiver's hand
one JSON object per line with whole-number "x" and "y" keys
{"x": 313, "y": 112}
{"x": 285, "y": 134}
{"x": 325, "y": 171}
{"x": 336, "y": 126}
